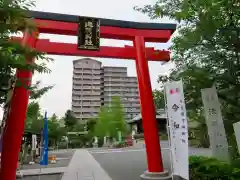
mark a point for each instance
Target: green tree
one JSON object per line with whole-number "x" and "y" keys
{"x": 101, "y": 128}
{"x": 90, "y": 130}
{"x": 55, "y": 131}
{"x": 70, "y": 120}
{"x": 111, "y": 120}
{"x": 78, "y": 127}
{"x": 91, "y": 124}
{"x": 34, "y": 119}
{"x": 54, "y": 117}
{"x": 206, "y": 51}
{"x": 12, "y": 54}
{"x": 158, "y": 98}
{"x": 118, "y": 122}
{"x": 36, "y": 92}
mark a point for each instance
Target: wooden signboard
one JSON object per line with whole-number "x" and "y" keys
{"x": 89, "y": 33}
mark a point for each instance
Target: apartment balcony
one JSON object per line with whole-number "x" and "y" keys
{"x": 134, "y": 106}
{"x": 86, "y": 77}
{"x": 126, "y": 105}
{"x": 87, "y": 72}
{"x": 114, "y": 85}
{"x": 107, "y": 89}
{"x": 107, "y": 99}
{"x": 86, "y": 104}
{"x": 107, "y": 96}
{"x": 121, "y": 89}
{"x": 130, "y": 95}
{"x": 85, "y": 110}
{"x": 114, "y": 80}
{"x": 115, "y": 69}
{"x": 133, "y": 111}
{"x": 124, "y": 94}
{"x": 86, "y": 98}
{"x": 115, "y": 74}
{"x": 87, "y": 116}
{"x": 90, "y": 82}
{"x": 87, "y": 68}
{"x": 90, "y": 87}
{"x": 131, "y": 85}
{"x": 131, "y": 79}
{"x": 85, "y": 93}
{"x": 120, "y": 79}
{"x": 131, "y": 103}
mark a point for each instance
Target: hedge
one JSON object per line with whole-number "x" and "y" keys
{"x": 205, "y": 168}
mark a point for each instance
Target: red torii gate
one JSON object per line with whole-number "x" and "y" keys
{"x": 62, "y": 24}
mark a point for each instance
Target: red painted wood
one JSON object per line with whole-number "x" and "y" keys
{"x": 151, "y": 137}
{"x": 66, "y": 28}
{"x": 15, "y": 123}
{"x": 105, "y": 52}
{"x": 127, "y": 52}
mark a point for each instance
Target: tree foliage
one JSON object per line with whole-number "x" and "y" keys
{"x": 206, "y": 52}
{"x": 34, "y": 119}
{"x": 158, "y": 98}
{"x": 111, "y": 120}
{"x": 118, "y": 116}
{"x": 55, "y": 131}
{"x": 13, "y": 20}
{"x": 102, "y": 126}
{"x": 36, "y": 92}
{"x": 70, "y": 120}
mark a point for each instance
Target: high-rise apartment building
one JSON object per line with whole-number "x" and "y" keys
{"x": 86, "y": 88}
{"x": 117, "y": 83}
{"x": 94, "y": 85}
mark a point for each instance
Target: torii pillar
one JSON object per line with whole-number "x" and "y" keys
{"x": 17, "y": 114}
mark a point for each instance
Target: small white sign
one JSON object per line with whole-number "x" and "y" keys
{"x": 178, "y": 124}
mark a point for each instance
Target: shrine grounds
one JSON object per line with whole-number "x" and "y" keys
{"x": 119, "y": 164}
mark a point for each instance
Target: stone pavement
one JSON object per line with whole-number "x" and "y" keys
{"x": 40, "y": 174}
{"x": 29, "y": 172}
{"x": 63, "y": 159}
{"x": 84, "y": 167}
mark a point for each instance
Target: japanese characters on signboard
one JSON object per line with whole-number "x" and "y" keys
{"x": 214, "y": 121}
{"x": 89, "y": 33}
{"x": 178, "y": 125}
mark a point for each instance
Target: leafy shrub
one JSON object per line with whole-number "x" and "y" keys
{"x": 236, "y": 162}
{"x": 204, "y": 168}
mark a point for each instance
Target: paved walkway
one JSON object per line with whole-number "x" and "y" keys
{"x": 84, "y": 167}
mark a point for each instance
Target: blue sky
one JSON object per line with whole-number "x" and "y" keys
{"x": 58, "y": 100}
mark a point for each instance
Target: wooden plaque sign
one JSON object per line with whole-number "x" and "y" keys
{"x": 88, "y": 33}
